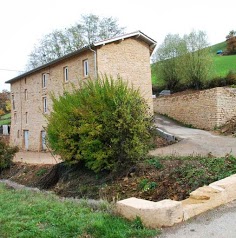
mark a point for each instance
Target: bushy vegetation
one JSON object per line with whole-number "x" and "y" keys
{"x": 6, "y": 155}
{"x": 104, "y": 124}
{"x": 28, "y": 214}
{"x": 222, "y": 71}
{"x": 199, "y": 171}
{"x": 183, "y": 60}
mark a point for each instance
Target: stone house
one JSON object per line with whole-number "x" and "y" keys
{"x": 127, "y": 56}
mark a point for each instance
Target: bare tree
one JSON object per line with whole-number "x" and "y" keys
{"x": 169, "y": 57}
{"x": 198, "y": 59}
{"x": 185, "y": 60}
{"x": 91, "y": 28}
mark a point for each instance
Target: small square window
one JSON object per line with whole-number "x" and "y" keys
{"x": 66, "y": 71}
{"x": 45, "y": 105}
{"x": 86, "y": 68}
{"x": 44, "y": 80}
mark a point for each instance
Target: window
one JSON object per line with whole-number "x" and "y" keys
{"x": 18, "y": 134}
{"x": 26, "y": 94}
{"x": 66, "y": 71}
{"x": 13, "y": 102}
{"x": 25, "y": 80}
{"x": 86, "y": 68}
{"x": 15, "y": 118}
{"x": 44, "y": 80}
{"x": 45, "y": 106}
{"x": 26, "y": 117}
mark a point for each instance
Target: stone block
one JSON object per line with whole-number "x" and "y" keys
{"x": 153, "y": 214}
{"x": 203, "y": 199}
{"x": 229, "y": 185}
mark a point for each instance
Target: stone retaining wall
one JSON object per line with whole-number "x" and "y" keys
{"x": 168, "y": 212}
{"x": 204, "y": 109}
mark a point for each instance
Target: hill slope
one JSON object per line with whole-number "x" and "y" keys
{"x": 221, "y": 64}
{"x": 5, "y": 119}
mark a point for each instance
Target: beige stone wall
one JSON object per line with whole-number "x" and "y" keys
{"x": 226, "y": 104}
{"x": 204, "y": 109}
{"x": 129, "y": 59}
{"x": 33, "y": 106}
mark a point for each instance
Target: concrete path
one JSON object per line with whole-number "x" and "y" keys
{"x": 36, "y": 157}
{"x": 194, "y": 141}
{"x": 218, "y": 223}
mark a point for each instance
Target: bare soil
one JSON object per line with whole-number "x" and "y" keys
{"x": 144, "y": 180}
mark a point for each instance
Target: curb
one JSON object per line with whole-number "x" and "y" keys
{"x": 169, "y": 137}
{"x": 167, "y": 212}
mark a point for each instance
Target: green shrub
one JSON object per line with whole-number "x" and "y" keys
{"x": 104, "y": 124}
{"x": 146, "y": 185}
{"x": 6, "y": 155}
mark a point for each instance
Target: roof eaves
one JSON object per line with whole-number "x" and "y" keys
{"x": 50, "y": 63}
{"x": 149, "y": 40}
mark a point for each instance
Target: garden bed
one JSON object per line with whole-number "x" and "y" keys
{"x": 155, "y": 178}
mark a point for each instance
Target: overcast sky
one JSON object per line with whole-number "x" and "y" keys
{"x": 24, "y": 22}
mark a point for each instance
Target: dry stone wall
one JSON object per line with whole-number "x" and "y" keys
{"x": 204, "y": 109}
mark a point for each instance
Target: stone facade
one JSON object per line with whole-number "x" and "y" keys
{"x": 127, "y": 57}
{"x": 204, "y": 109}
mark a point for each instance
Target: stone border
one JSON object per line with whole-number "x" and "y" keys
{"x": 167, "y": 136}
{"x": 168, "y": 212}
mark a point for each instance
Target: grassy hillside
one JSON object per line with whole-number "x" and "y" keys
{"x": 5, "y": 119}
{"x": 221, "y": 64}
{"x": 219, "y": 46}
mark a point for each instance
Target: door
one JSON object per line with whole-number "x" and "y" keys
{"x": 43, "y": 139}
{"x": 26, "y": 140}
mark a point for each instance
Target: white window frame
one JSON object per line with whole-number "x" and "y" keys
{"x": 86, "y": 68}
{"x": 44, "y": 80}
{"x": 45, "y": 105}
{"x": 66, "y": 74}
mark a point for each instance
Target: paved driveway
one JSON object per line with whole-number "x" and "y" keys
{"x": 36, "y": 157}
{"x": 218, "y": 223}
{"x": 194, "y": 141}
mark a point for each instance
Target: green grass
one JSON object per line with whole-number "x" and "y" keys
{"x": 5, "y": 119}
{"x": 222, "y": 64}
{"x": 29, "y": 214}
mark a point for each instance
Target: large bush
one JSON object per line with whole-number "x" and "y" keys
{"x": 104, "y": 124}
{"x": 6, "y": 155}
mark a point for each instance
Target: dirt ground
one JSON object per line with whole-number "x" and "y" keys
{"x": 142, "y": 181}
{"x": 153, "y": 178}
{"x": 77, "y": 181}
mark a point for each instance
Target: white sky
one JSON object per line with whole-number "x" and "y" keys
{"x": 24, "y": 22}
